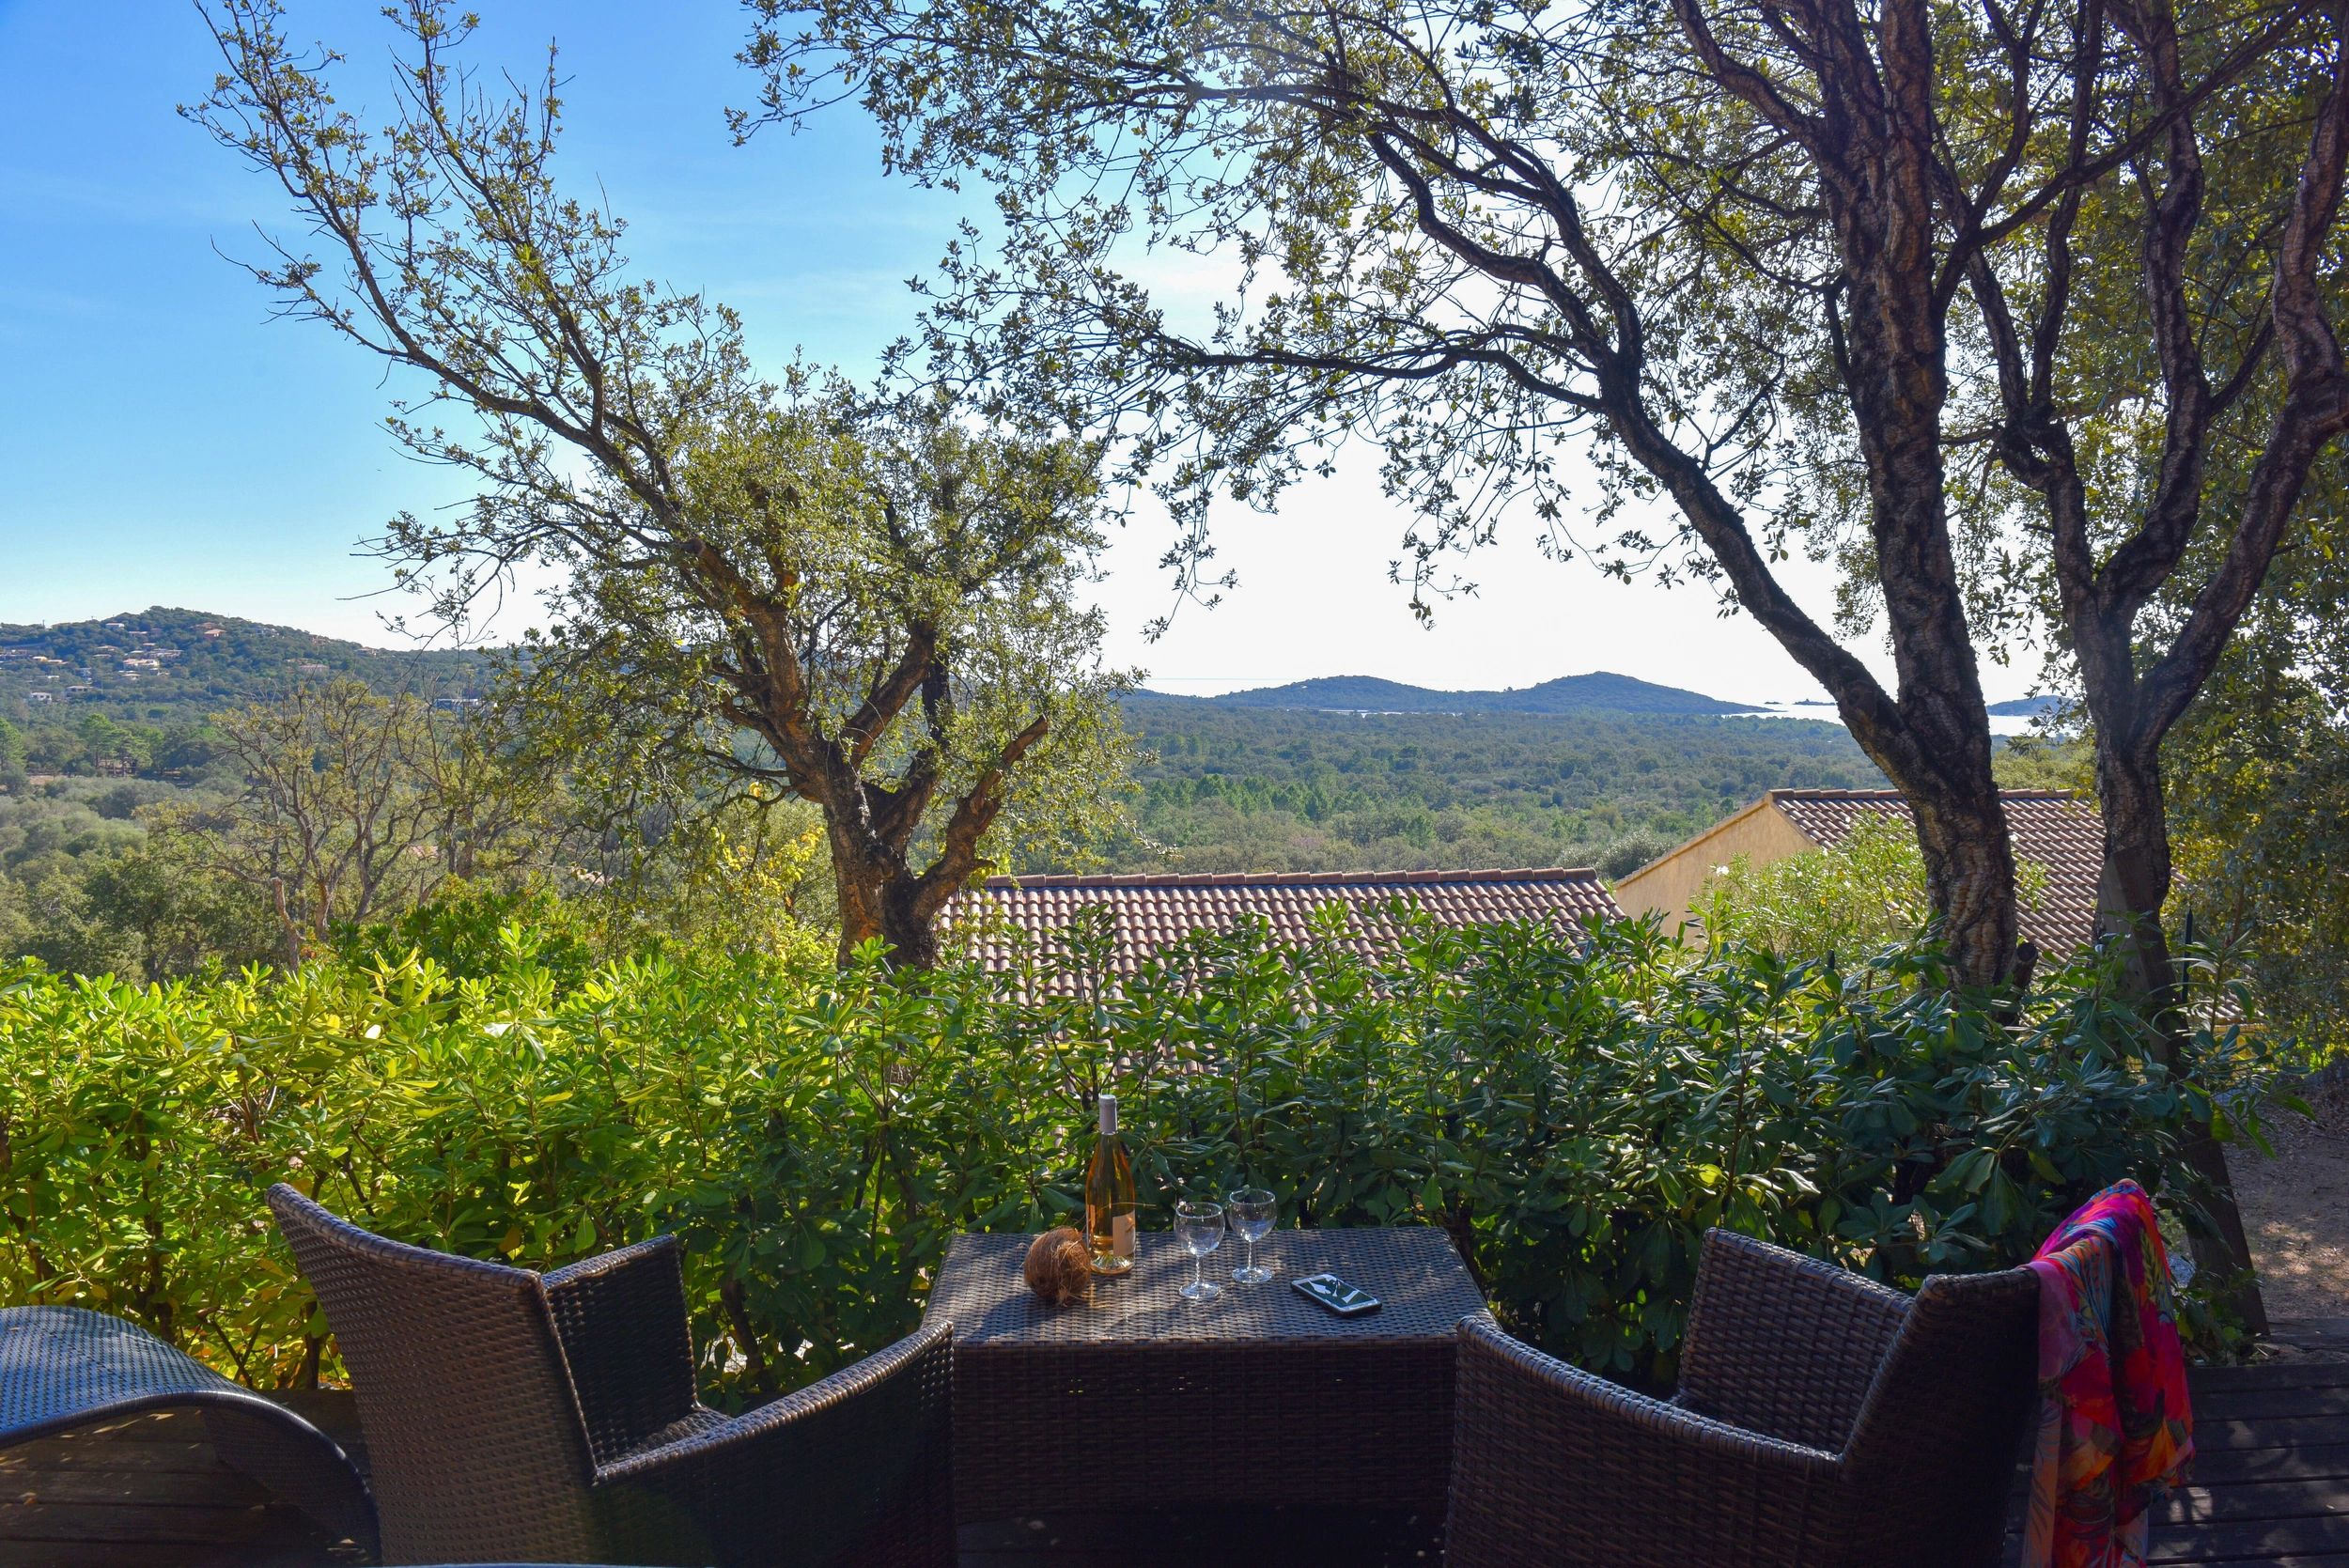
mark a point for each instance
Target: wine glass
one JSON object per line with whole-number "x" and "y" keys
{"x": 1200, "y": 1228}
{"x": 1252, "y": 1210}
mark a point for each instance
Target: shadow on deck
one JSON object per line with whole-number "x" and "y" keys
{"x": 2271, "y": 1489}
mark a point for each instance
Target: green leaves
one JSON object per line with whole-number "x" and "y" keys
{"x": 761, "y": 588}
{"x": 1575, "y": 1109}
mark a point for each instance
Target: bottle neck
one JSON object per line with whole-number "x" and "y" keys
{"x": 1109, "y": 1116}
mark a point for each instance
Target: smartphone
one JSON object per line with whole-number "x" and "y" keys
{"x": 1335, "y": 1294}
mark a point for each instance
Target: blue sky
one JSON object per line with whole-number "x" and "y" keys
{"x": 165, "y": 443}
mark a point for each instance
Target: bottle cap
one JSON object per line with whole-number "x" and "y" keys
{"x": 1109, "y": 1114}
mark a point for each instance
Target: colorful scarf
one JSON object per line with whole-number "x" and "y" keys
{"x": 2115, "y": 1428}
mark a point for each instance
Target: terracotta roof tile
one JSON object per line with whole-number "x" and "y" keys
{"x": 1154, "y": 910}
{"x": 2053, "y": 828}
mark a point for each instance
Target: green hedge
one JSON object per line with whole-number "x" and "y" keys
{"x": 1575, "y": 1109}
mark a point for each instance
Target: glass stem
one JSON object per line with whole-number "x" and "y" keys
{"x": 1198, "y": 1274}
{"x": 1251, "y": 1255}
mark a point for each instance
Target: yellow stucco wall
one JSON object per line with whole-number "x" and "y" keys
{"x": 1761, "y": 832}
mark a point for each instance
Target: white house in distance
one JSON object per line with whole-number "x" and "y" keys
{"x": 2053, "y": 828}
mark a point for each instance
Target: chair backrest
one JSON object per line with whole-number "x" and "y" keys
{"x": 1938, "y": 1437}
{"x": 475, "y": 1448}
{"x": 1783, "y": 1344}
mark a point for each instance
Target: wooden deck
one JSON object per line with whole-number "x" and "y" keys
{"x": 148, "y": 1493}
{"x": 2271, "y": 1489}
{"x": 2271, "y": 1472}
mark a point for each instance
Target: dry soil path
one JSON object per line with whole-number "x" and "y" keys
{"x": 2296, "y": 1206}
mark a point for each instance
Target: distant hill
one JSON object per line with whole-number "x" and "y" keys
{"x": 1600, "y": 691}
{"x": 2027, "y": 708}
{"x": 1231, "y": 786}
{"x": 166, "y": 665}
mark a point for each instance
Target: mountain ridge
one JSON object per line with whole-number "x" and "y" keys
{"x": 167, "y": 662}
{"x": 208, "y": 660}
{"x": 1597, "y": 692}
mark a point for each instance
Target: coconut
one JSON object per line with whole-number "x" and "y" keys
{"x": 1059, "y": 1269}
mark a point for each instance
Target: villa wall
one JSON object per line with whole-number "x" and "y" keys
{"x": 1761, "y": 832}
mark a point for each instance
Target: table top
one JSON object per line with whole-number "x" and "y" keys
{"x": 1422, "y": 1288}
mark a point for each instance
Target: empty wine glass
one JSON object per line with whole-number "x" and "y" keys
{"x": 1200, "y": 1228}
{"x": 1251, "y": 1211}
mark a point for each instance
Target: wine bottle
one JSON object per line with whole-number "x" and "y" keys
{"x": 1110, "y": 1198}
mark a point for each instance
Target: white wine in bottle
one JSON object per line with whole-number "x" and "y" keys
{"x": 1110, "y": 1198}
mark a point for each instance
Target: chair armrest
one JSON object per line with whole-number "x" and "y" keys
{"x": 1550, "y": 1465}
{"x": 858, "y": 1469}
{"x": 622, "y": 1324}
{"x": 1782, "y": 1343}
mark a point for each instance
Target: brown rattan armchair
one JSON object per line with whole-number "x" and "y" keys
{"x": 1822, "y": 1421}
{"x": 535, "y": 1417}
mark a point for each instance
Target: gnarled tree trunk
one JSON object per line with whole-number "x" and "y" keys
{"x": 880, "y": 896}
{"x": 871, "y": 828}
{"x": 2130, "y": 893}
{"x": 2135, "y": 883}
{"x": 1969, "y": 874}
{"x": 909, "y": 925}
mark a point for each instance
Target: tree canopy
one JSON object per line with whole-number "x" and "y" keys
{"x": 760, "y": 582}
{"x": 352, "y": 807}
{"x": 2260, "y": 771}
{"x": 1854, "y": 899}
{"x": 1786, "y": 277}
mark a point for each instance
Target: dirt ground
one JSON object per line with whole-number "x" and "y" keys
{"x": 2296, "y": 1206}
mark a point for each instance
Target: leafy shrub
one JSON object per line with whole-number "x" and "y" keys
{"x": 1575, "y": 1109}
{"x": 2262, "y": 840}
{"x": 1864, "y": 893}
{"x": 1629, "y": 853}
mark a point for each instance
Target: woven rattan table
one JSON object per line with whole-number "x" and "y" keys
{"x": 1141, "y": 1398}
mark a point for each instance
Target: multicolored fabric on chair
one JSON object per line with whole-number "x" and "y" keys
{"x": 2116, "y": 1429}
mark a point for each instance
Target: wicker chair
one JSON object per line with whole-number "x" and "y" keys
{"x": 513, "y": 1415}
{"x": 1821, "y": 1420}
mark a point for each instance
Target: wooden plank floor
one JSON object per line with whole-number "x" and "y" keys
{"x": 2271, "y": 1490}
{"x": 2271, "y": 1473}
{"x": 148, "y": 1493}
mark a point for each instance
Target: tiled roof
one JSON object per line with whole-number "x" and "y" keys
{"x": 1152, "y": 911}
{"x": 2053, "y": 828}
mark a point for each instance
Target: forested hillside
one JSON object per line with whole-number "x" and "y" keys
{"x": 1600, "y": 691}
{"x": 129, "y": 694}
{"x": 1340, "y": 773}
{"x": 108, "y": 737}
{"x": 1250, "y": 788}
{"x": 1346, "y": 773}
